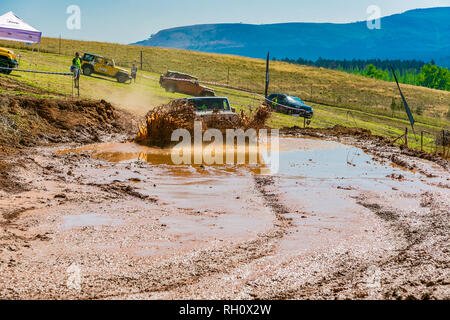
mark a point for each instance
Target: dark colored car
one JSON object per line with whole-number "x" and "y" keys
{"x": 291, "y": 105}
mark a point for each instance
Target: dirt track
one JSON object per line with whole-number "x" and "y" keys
{"x": 335, "y": 222}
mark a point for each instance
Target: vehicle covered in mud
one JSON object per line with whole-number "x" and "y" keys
{"x": 8, "y": 59}
{"x": 208, "y": 106}
{"x": 184, "y": 83}
{"x": 95, "y": 64}
{"x": 290, "y": 105}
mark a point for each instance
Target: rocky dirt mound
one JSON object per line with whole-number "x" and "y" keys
{"x": 160, "y": 123}
{"x": 30, "y": 121}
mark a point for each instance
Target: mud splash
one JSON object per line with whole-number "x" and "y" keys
{"x": 160, "y": 123}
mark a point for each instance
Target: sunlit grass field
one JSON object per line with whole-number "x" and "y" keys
{"x": 333, "y": 94}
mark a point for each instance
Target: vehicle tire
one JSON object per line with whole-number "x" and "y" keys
{"x": 208, "y": 94}
{"x": 88, "y": 70}
{"x": 122, "y": 78}
{"x": 4, "y": 63}
{"x": 171, "y": 88}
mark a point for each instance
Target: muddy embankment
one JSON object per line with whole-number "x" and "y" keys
{"x": 374, "y": 144}
{"x": 29, "y": 122}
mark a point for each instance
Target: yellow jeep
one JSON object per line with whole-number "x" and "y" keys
{"x": 95, "y": 64}
{"x": 8, "y": 59}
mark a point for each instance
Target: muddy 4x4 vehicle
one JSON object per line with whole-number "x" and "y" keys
{"x": 208, "y": 106}
{"x": 8, "y": 59}
{"x": 95, "y": 64}
{"x": 179, "y": 82}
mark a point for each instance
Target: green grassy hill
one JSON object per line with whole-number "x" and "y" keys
{"x": 332, "y": 93}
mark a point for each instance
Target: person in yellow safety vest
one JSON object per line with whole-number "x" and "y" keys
{"x": 76, "y": 69}
{"x": 275, "y": 105}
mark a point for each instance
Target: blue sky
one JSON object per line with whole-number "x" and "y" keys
{"x": 134, "y": 20}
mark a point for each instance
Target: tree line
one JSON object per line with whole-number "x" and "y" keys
{"x": 413, "y": 72}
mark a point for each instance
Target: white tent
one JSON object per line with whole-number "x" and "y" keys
{"x": 15, "y": 29}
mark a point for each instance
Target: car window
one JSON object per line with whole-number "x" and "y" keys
{"x": 210, "y": 104}
{"x": 295, "y": 100}
{"x": 88, "y": 57}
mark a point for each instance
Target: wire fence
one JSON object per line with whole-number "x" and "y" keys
{"x": 434, "y": 141}
{"x": 75, "y": 90}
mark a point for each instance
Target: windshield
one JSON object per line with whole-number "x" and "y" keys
{"x": 295, "y": 100}
{"x": 220, "y": 104}
{"x": 88, "y": 57}
{"x": 180, "y": 76}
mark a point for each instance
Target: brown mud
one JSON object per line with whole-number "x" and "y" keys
{"x": 30, "y": 121}
{"x": 330, "y": 224}
{"x": 100, "y": 221}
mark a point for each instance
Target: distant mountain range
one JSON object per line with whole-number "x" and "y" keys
{"x": 417, "y": 34}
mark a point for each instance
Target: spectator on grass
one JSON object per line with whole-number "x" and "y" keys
{"x": 76, "y": 69}
{"x": 134, "y": 71}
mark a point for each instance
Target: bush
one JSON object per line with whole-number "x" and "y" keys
{"x": 419, "y": 110}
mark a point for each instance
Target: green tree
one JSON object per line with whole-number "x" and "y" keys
{"x": 432, "y": 76}
{"x": 372, "y": 72}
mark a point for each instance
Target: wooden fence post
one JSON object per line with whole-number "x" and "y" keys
{"x": 443, "y": 143}
{"x": 421, "y": 141}
{"x": 406, "y": 137}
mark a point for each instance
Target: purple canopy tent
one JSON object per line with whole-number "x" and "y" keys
{"x": 15, "y": 29}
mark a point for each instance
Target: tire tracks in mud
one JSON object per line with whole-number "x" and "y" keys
{"x": 426, "y": 247}
{"x": 186, "y": 270}
{"x": 417, "y": 269}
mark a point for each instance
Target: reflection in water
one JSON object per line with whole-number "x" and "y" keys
{"x": 202, "y": 156}
{"x": 298, "y": 158}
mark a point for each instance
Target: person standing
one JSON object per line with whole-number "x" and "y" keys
{"x": 76, "y": 69}
{"x": 134, "y": 71}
